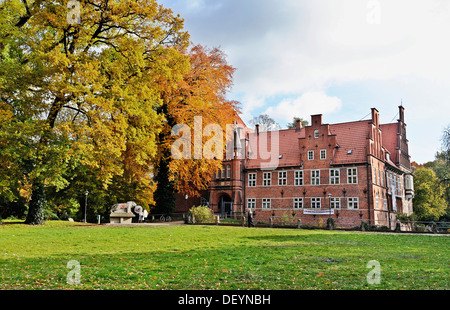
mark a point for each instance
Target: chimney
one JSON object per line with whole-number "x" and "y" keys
{"x": 316, "y": 120}
{"x": 298, "y": 126}
{"x": 401, "y": 113}
{"x": 257, "y": 129}
{"x": 375, "y": 117}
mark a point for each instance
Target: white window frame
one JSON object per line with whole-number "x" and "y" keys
{"x": 335, "y": 175}
{"x": 352, "y": 175}
{"x": 316, "y": 203}
{"x": 351, "y": 202}
{"x": 251, "y": 203}
{"x": 267, "y": 178}
{"x": 266, "y": 203}
{"x": 316, "y": 134}
{"x": 310, "y": 155}
{"x": 323, "y": 152}
{"x": 298, "y": 203}
{"x": 228, "y": 171}
{"x": 335, "y": 202}
{"x": 282, "y": 177}
{"x": 298, "y": 177}
{"x": 315, "y": 177}
{"x": 252, "y": 180}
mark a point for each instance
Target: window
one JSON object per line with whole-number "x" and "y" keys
{"x": 298, "y": 203}
{"x": 316, "y": 134}
{"x": 315, "y": 203}
{"x": 267, "y": 178}
{"x": 282, "y": 178}
{"x": 323, "y": 154}
{"x": 335, "y": 203}
{"x": 266, "y": 203}
{"x": 376, "y": 202}
{"x": 251, "y": 179}
{"x": 334, "y": 176}
{"x": 223, "y": 172}
{"x": 310, "y": 155}
{"x": 385, "y": 204}
{"x": 228, "y": 171}
{"x": 388, "y": 180}
{"x": 298, "y": 177}
{"x": 251, "y": 203}
{"x": 352, "y": 175}
{"x": 315, "y": 177}
{"x": 352, "y": 203}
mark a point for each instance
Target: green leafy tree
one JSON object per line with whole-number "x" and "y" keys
{"x": 429, "y": 202}
{"x": 293, "y": 125}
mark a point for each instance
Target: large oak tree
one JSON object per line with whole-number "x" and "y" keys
{"x": 82, "y": 92}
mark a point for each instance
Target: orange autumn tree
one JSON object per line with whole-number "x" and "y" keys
{"x": 201, "y": 95}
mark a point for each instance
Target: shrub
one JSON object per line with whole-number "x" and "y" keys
{"x": 330, "y": 223}
{"x": 364, "y": 226}
{"x": 201, "y": 215}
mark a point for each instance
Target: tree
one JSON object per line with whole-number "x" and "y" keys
{"x": 428, "y": 201}
{"x": 201, "y": 93}
{"x": 293, "y": 125}
{"x": 446, "y": 144}
{"x": 82, "y": 92}
{"x": 265, "y": 122}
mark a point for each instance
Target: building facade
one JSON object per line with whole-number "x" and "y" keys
{"x": 352, "y": 172}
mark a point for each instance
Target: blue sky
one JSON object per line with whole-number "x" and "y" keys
{"x": 339, "y": 58}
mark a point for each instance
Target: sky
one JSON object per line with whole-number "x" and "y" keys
{"x": 338, "y": 58}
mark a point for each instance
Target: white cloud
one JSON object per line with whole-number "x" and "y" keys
{"x": 294, "y": 49}
{"x": 307, "y": 104}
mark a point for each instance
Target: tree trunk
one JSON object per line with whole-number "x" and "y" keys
{"x": 36, "y": 207}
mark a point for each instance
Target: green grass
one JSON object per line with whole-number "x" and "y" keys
{"x": 215, "y": 257}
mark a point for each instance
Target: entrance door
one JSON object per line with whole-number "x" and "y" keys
{"x": 225, "y": 205}
{"x": 228, "y": 208}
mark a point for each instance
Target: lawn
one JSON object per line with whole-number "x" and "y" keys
{"x": 216, "y": 257}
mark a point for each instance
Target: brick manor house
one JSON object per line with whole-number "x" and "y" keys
{"x": 354, "y": 171}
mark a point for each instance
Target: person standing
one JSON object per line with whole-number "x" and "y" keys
{"x": 250, "y": 218}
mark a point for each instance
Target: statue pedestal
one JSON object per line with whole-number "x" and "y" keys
{"x": 121, "y": 213}
{"x": 121, "y": 218}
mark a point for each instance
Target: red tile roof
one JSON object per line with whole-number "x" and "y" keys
{"x": 288, "y": 153}
{"x": 390, "y": 139}
{"x": 352, "y": 140}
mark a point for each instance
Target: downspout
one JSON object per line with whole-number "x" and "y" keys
{"x": 369, "y": 189}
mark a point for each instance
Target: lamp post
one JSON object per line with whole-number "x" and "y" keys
{"x": 186, "y": 198}
{"x": 329, "y": 203}
{"x": 85, "y": 204}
